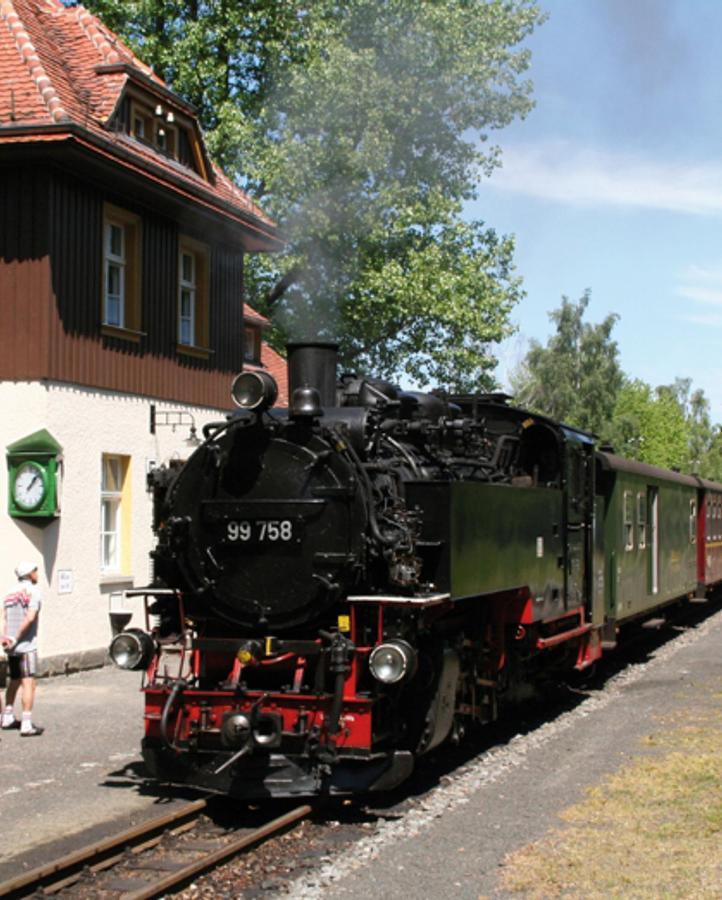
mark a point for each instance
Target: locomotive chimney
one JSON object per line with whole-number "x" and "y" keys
{"x": 313, "y": 365}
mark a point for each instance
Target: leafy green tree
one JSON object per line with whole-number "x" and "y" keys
{"x": 704, "y": 454}
{"x": 576, "y": 377}
{"x": 649, "y": 426}
{"x": 362, "y": 128}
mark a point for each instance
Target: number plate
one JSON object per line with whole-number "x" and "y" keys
{"x": 247, "y": 532}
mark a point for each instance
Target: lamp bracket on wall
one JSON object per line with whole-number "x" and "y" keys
{"x": 173, "y": 418}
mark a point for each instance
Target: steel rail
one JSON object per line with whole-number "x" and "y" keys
{"x": 55, "y": 876}
{"x": 216, "y": 858}
{"x": 61, "y": 869}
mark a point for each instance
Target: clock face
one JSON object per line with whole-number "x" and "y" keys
{"x": 29, "y": 487}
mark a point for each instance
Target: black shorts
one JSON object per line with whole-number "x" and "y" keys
{"x": 23, "y": 665}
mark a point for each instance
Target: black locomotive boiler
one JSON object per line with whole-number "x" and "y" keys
{"x": 343, "y": 585}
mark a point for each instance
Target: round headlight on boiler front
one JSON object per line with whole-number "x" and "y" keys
{"x": 132, "y": 649}
{"x": 254, "y": 390}
{"x": 392, "y": 661}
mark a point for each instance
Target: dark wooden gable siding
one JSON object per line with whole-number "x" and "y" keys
{"x": 24, "y": 272}
{"x": 51, "y": 248}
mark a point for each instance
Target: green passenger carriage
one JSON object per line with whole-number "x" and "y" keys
{"x": 650, "y": 535}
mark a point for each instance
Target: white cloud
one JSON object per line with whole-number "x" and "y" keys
{"x": 701, "y": 285}
{"x": 703, "y": 273}
{"x": 701, "y": 294}
{"x": 562, "y": 172}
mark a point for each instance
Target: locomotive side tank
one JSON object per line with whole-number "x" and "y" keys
{"x": 343, "y": 585}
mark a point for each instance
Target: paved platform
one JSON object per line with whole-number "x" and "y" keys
{"x": 82, "y": 773}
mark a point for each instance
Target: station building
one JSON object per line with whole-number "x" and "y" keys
{"x": 122, "y": 321}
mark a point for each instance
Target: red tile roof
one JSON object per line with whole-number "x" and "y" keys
{"x": 63, "y": 75}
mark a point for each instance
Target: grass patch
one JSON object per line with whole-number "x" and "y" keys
{"x": 652, "y": 830}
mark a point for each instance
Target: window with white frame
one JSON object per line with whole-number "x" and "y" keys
{"x": 121, "y": 271}
{"x": 641, "y": 521}
{"x": 113, "y": 550}
{"x": 115, "y": 265}
{"x": 193, "y": 296}
{"x": 693, "y": 521}
{"x": 628, "y": 520}
{"x": 187, "y": 297}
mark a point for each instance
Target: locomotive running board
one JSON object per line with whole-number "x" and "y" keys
{"x": 425, "y": 600}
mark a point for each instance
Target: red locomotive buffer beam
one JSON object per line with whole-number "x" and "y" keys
{"x": 275, "y": 708}
{"x": 198, "y": 717}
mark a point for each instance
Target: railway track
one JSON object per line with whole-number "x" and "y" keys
{"x": 148, "y": 860}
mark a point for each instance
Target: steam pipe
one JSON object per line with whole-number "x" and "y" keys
{"x": 178, "y": 688}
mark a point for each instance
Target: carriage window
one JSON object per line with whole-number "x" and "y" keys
{"x": 641, "y": 521}
{"x": 692, "y": 521}
{"x": 628, "y": 521}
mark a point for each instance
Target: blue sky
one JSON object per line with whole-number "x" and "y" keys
{"x": 614, "y": 183}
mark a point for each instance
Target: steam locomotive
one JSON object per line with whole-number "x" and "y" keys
{"x": 346, "y": 584}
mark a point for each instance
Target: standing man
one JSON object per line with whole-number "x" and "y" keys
{"x": 20, "y": 631}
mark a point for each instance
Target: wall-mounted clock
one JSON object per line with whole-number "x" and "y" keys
{"x": 29, "y": 486}
{"x": 33, "y": 476}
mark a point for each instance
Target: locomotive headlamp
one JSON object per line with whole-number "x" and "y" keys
{"x": 392, "y": 661}
{"x": 254, "y": 390}
{"x": 132, "y": 649}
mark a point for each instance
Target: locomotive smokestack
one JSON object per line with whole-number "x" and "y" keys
{"x": 313, "y": 364}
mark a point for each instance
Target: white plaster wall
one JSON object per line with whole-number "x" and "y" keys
{"x": 87, "y": 423}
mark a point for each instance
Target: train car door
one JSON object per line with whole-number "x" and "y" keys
{"x": 579, "y": 520}
{"x": 653, "y": 512}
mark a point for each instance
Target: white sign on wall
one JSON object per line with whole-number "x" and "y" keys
{"x": 65, "y": 581}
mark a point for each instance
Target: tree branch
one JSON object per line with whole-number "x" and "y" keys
{"x": 280, "y": 288}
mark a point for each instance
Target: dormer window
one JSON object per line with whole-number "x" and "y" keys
{"x": 155, "y": 127}
{"x": 168, "y": 131}
{"x": 165, "y": 139}
{"x": 141, "y": 124}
